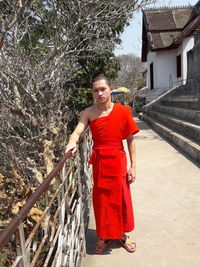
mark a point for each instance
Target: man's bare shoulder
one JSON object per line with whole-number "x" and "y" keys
{"x": 88, "y": 111}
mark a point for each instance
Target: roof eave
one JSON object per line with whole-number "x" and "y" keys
{"x": 164, "y": 48}
{"x": 191, "y": 26}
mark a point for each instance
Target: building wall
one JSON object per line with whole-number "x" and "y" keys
{"x": 191, "y": 88}
{"x": 164, "y": 68}
{"x": 164, "y": 62}
{"x": 187, "y": 45}
{"x": 194, "y": 59}
{"x": 151, "y": 57}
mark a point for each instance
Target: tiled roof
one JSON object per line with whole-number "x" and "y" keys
{"x": 163, "y": 39}
{"x": 167, "y": 19}
{"x": 191, "y": 26}
{"x": 161, "y": 26}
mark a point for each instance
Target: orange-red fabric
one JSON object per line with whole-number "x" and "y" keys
{"x": 111, "y": 192}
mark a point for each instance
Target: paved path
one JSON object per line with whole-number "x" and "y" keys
{"x": 166, "y": 198}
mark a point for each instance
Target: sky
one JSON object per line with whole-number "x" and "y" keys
{"x": 132, "y": 35}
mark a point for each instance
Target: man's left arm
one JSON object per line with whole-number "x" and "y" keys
{"x": 132, "y": 153}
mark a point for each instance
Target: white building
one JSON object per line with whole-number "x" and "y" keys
{"x": 168, "y": 34}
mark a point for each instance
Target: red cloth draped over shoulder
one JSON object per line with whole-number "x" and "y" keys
{"x": 121, "y": 126}
{"x": 111, "y": 193}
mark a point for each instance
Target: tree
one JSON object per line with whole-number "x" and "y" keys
{"x": 50, "y": 50}
{"x": 130, "y": 73}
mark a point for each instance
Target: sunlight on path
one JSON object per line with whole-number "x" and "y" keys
{"x": 166, "y": 198}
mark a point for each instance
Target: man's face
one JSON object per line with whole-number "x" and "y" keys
{"x": 101, "y": 91}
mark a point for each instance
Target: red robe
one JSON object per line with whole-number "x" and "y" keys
{"x": 111, "y": 192}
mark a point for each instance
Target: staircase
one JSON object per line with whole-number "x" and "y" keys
{"x": 178, "y": 119}
{"x": 153, "y": 94}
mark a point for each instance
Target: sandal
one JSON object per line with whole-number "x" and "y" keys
{"x": 102, "y": 244}
{"x": 127, "y": 243}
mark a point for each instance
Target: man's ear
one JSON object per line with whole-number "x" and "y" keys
{"x": 111, "y": 88}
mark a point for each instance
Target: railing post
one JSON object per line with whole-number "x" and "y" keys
{"x": 25, "y": 252}
{"x": 81, "y": 215}
{"x": 61, "y": 204}
{"x": 18, "y": 248}
{"x": 57, "y": 231}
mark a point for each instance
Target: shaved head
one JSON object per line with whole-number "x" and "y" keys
{"x": 102, "y": 77}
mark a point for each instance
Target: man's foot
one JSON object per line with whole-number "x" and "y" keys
{"x": 127, "y": 243}
{"x": 102, "y": 244}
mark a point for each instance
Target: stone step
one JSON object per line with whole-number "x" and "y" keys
{"x": 153, "y": 94}
{"x": 187, "y": 128}
{"x": 184, "y": 143}
{"x": 190, "y": 115}
{"x": 190, "y": 102}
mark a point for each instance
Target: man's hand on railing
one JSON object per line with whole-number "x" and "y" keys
{"x": 71, "y": 146}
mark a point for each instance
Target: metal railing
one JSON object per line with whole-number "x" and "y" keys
{"x": 183, "y": 82}
{"x": 190, "y": 88}
{"x": 49, "y": 230}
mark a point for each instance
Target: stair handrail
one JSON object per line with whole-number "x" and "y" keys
{"x": 159, "y": 97}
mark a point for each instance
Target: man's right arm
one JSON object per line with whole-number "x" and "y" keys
{"x": 74, "y": 137}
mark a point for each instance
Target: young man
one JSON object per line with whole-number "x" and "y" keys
{"x": 109, "y": 123}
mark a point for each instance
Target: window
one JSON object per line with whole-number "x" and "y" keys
{"x": 151, "y": 76}
{"x": 178, "y": 66}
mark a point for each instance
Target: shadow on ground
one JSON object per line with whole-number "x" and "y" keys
{"x": 91, "y": 239}
{"x": 179, "y": 150}
{"x": 142, "y": 125}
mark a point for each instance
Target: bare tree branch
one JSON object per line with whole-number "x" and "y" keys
{"x": 42, "y": 43}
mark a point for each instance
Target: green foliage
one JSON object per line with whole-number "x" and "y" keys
{"x": 90, "y": 65}
{"x": 141, "y": 83}
{"x": 3, "y": 259}
{"x": 95, "y": 64}
{"x": 79, "y": 99}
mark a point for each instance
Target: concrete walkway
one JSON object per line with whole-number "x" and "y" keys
{"x": 166, "y": 198}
